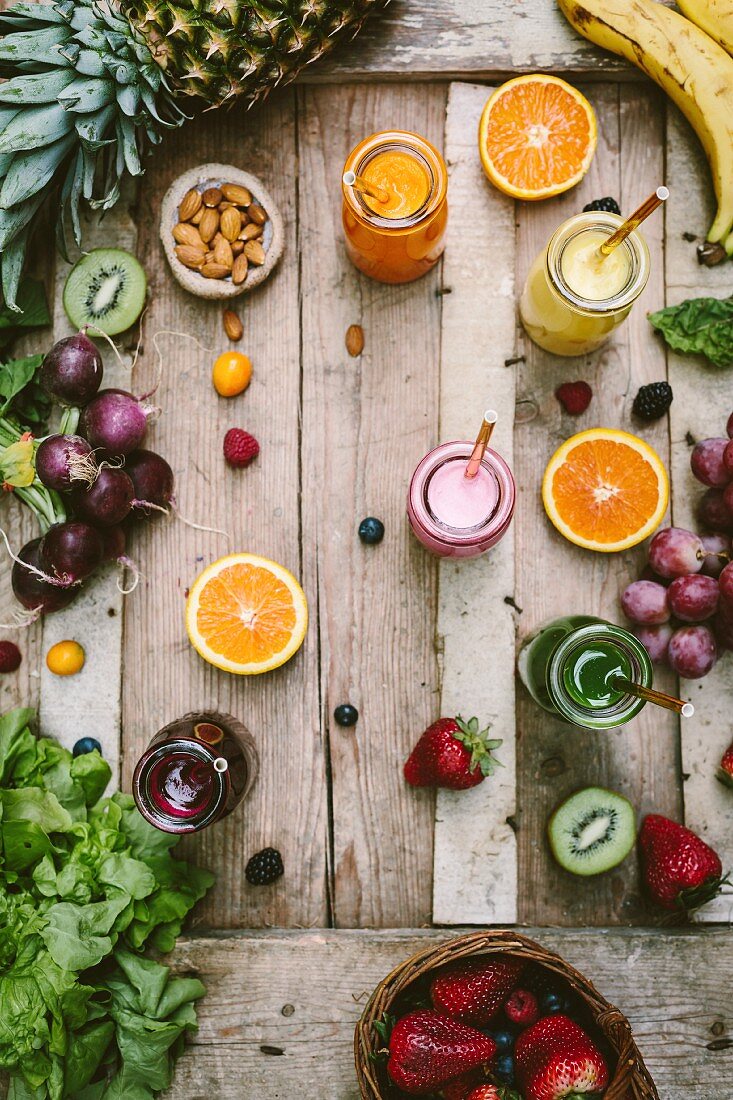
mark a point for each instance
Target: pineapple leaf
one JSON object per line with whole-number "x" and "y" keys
{"x": 30, "y": 172}
{"x": 35, "y": 128}
{"x": 13, "y": 258}
{"x": 31, "y": 45}
{"x": 37, "y": 88}
{"x": 87, "y": 95}
{"x": 13, "y": 220}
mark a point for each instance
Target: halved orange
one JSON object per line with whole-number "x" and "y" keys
{"x": 605, "y": 489}
{"x": 537, "y": 136}
{"x": 246, "y": 614}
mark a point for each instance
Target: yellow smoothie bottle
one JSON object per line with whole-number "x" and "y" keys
{"x": 575, "y": 296}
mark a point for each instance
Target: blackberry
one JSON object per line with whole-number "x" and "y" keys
{"x": 653, "y": 401}
{"x": 371, "y": 530}
{"x": 264, "y": 867}
{"x": 609, "y": 205}
{"x": 346, "y": 715}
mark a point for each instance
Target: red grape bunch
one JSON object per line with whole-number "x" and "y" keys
{"x": 683, "y": 608}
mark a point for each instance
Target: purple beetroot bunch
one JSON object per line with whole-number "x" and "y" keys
{"x": 90, "y": 478}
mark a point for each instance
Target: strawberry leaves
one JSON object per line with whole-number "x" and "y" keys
{"x": 479, "y": 745}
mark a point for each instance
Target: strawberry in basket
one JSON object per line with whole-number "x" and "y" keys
{"x": 426, "y": 1050}
{"x": 474, "y": 990}
{"x": 555, "y": 1058}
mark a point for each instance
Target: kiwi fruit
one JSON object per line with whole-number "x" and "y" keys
{"x": 106, "y": 289}
{"x": 592, "y": 831}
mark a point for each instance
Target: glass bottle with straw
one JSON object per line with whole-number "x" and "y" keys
{"x": 582, "y": 286}
{"x": 591, "y": 673}
{"x": 461, "y": 497}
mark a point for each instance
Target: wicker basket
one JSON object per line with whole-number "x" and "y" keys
{"x": 630, "y": 1079}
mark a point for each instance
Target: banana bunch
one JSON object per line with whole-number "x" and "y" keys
{"x": 694, "y": 71}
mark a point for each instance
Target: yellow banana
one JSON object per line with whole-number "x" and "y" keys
{"x": 715, "y": 17}
{"x": 695, "y": 72}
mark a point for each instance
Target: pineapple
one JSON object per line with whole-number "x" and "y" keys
{"x": 94, "y": 84}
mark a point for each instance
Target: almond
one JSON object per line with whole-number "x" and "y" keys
{"x": 240, "y": 196}
{"x": 185, "y": 233}
{"x": 251, "y": 231}
{"x": 190, "y": 257}
{"x": 239, "y": 271}
{"x": 223, "y": 254}
{"x": 195, "y": 220}
{"x": 254, "y": 252}
{"x": 355, "y": 340}
{"x": 209, "y": 256}
{"x": 212, "y": 196}
{"x": 237, "y": 247}
{"x": 231, "y": 223}
{"x": 233, "y": 327}
{"x": 214, "y": 270}
{"x": 209, "y": 224}
{"x": 257, "y": 214}
{"x": 190, "y": 205}
{"x": 225, "y": 206}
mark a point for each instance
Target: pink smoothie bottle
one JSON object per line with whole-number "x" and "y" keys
{"x": 455, "y": 515}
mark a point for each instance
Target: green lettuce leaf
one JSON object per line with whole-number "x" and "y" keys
{"x": 699, "y": 326}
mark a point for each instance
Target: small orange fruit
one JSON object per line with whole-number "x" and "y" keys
{"x": 231, "y": 374}
{"x": 65, "y": 658}
{"x": 605, "y": 489}
{"x": 537, "y": 136}
{"x": 246, "y": 614}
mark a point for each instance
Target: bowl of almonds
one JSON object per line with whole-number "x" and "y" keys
{"x": 221, "y": 231}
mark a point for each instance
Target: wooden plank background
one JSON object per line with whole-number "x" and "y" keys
{"x": 302, "y": 993}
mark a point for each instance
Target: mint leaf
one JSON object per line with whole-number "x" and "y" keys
{"x": 699, "y": 326}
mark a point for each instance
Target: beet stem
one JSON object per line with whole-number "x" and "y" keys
{"x": 58, "y": 582}
{"x": 108, "y": 338}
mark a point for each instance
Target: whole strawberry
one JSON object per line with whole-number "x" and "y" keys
{"x": 452, "y": 754}
{"x": 474, "y": 990}
{"x": 426, "y": 1050}
{"x": 463, "y": 1086}
{"x": 555, "y": 1058}
{"x": 725, "y": 770}
{"x": 680, "y": 870}
{"x": 240, "y": 448}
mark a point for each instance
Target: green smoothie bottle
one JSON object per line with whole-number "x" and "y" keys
{"x": 573, "y": 667}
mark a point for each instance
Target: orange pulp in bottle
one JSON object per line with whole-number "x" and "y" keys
{"x": 403, "y": 177}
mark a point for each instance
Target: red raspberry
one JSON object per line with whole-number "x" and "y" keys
{"x": 522, "y": 1008}
{"x": 10, "y": 657}
{"x": 575, "y": 397}
{"x": 240, "y": 448}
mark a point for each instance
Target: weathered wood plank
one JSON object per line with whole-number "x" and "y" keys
{"x": 366, "y": 423}
{"x": 260, "y": 509}
{"x": 302, "y": 993}
{"x": 703, "y": 399}
{"x": 90, "y": 703}
{"x": 639, "y": 759}
{"x": 470, "y": 39}
{"x": 476, "y": 881}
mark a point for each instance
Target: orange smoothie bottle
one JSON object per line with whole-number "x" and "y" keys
{"x": 399, "y": 236}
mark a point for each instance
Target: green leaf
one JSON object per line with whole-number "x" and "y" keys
{"x": 34, "y": 128}
{"x": 30, "y": 171}
{"x": 126, "y": 874}
{"x": 76, "y": 935}
{"x": 85, "y": 1052}
{"x": 24, "y": 843}
{"x": 92, "y": 772}
{"x": 36, "y": 88}
{"x": 33, "y": 804}
{"x": 699, "y": 326}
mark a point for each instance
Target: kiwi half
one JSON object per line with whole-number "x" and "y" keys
{"x": 105, "y": 288}
{"x": 592, "y": 831}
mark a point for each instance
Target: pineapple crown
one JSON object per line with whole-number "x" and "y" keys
{"x": 83, "y": 99}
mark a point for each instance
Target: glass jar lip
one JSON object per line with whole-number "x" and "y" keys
{"x": 635, "y": 247}
{"x": 407, "y": 141}
{"x": 603, "y": 718}
{"x": 492, "y": 462}
{"x": 147, "y": 807}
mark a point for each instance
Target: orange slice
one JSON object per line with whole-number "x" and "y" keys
{"x": 537, "y": 136}
{"x": 605, "y": 490}
{"x": 246, "y": 614}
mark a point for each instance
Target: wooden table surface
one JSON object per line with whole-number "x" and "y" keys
{"x": 401, "y": 636}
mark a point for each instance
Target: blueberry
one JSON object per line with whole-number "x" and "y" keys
{"x": 346, "y": 715}
{"x": 550, "y": 1003}
{"x": 86, "y": 744}
{"x": 371, "y": 530}
{"x": 504, "y": 1040}
{"x": 504, "y": 1068}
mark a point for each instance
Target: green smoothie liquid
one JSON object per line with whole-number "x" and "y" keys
{"x": 590, "y": 672}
